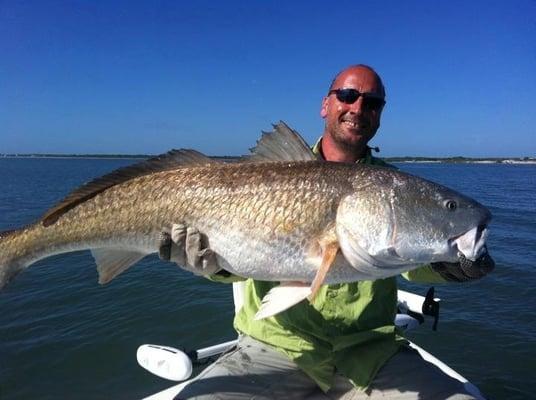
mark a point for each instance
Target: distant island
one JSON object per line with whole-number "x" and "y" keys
{"x": 459, "y": 160}
{"x": 406, "y": 159}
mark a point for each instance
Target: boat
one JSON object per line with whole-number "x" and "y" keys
{"x": 177, "y": 365}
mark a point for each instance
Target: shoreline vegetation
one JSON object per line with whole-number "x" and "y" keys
{"x": 408, "y": 159}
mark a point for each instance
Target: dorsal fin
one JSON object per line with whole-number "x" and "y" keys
{"x": 165, "y": 162}
{"x": 282, "y": 144}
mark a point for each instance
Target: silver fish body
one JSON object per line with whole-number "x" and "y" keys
{"x": 266, "y": 220}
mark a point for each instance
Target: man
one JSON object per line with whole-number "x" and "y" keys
{"x": 345, "y": 345}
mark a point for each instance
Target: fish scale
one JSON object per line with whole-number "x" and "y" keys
{"x": 146, "y": 206}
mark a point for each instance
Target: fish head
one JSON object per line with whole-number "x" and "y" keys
{"x": 393, "y": 219}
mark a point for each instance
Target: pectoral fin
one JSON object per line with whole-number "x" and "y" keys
{"x": 329, "y": 252}
{"x": 281, "y": 298}
{"x": 288, "y": 294}
{"x": 111, "y": 262}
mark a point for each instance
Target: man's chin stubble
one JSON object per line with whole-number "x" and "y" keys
{"x": 349, "y": 145}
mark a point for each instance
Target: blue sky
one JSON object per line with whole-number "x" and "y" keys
{"x": 144, "y": 77}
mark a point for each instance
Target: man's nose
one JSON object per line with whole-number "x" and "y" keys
{"x": 357, "y": 106}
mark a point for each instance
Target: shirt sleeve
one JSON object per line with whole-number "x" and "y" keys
{"x": 424, "y": 274}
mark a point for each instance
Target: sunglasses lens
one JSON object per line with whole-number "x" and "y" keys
{"x": 373, "y": 103}
{"x": 348, "y": 96}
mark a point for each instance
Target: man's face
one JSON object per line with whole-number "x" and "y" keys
{"x": 352, "y": 125}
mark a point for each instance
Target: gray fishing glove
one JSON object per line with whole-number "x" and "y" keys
{"x": 465, "y": 270}
{"x": 186, "y": 247}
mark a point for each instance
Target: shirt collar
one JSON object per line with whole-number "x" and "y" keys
{"x": 317, "y": 150}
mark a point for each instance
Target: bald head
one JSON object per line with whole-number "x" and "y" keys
{"x": 356, "y": 69}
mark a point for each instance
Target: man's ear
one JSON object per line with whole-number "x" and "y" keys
{"x": 324, "y": 108}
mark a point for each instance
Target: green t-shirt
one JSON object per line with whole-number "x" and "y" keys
{"x": 349, "y": 328}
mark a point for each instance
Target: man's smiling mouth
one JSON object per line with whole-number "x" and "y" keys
{"x": 351, "y": 123}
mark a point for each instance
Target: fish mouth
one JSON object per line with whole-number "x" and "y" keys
{"x": 471, "y": 244}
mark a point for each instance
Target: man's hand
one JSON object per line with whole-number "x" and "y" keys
{"x": 465, "y": 270}
{"x": 184, "y": 246}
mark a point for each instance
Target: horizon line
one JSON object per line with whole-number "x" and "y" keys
{"x": 144, "y": 156}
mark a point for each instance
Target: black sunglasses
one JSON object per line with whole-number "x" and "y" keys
{"x": 350, "y": 96}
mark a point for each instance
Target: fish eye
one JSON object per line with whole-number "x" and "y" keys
{"x": 450, "y": 205}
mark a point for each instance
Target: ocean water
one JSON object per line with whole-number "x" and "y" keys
{"x": 64, "y": 336}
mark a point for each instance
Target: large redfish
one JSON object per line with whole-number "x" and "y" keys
{"x": 279, "y": 215}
